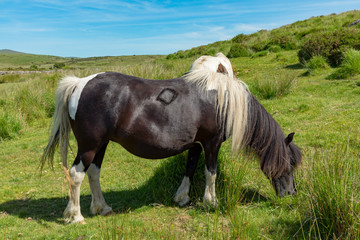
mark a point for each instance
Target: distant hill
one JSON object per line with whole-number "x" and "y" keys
{"x": 10, "y": 51}
{"x": 14, "y": 60}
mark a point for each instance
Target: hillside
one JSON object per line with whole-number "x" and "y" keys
{"x": 288, "y": 37}
{"x": 10, "y": 51}
{"x": 13, "y": 60}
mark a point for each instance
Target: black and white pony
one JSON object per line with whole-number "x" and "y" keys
{"x": 157, "y": 119}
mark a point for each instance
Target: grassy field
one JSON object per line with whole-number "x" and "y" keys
{"x": 323, "y": 112}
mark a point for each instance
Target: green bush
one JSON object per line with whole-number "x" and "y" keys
{"x": 274, "y": 48}
{"x": 330, "y": 45}
{"x": 238, "y": 50}
{"x": 59, "y": 65}
{"x": 284, "y": 41}
{"x": 317, "y": 62}
{"x": 240, "y": 38}
{"x": 349, "y": 67}
{"x": 261, "y": 54}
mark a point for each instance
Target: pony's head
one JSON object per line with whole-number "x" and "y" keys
{"x": 285, "y": 184}
{"x": 220, "y": 63}
{"x": 278, "y": 155}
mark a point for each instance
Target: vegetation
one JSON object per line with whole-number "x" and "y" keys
{"x": 349, "y": 67}
{"x": 322, "y": 112}
{"x": 323, "y": 35}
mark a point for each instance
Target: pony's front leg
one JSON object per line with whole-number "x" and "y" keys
{"x": 210, "y": 194}
{"x": 72, "y": 213}
{"x": 182, "y": 194}
{"x": 211, "y": 153}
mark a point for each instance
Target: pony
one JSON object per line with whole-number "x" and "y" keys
{"x": 156, "y": 119}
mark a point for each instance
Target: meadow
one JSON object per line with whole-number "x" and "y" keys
{"x": 324, "y": 113}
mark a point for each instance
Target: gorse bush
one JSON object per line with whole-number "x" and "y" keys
{"x": 330, "y": 45}
{"x": 238, "y": 50}
{"x": 349, "y": 67}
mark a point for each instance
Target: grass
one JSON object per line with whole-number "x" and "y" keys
{"x": 350, "y": 66}
{"x": 324, "y": 115}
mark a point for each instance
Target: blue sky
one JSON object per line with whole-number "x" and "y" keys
{"x": 109, "y": 27}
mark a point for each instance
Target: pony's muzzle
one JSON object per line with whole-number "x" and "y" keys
{"x": 284, "y": 185}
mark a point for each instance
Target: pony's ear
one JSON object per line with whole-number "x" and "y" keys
{"x": 289, "y": 138}
{"x": 222, "y": 69}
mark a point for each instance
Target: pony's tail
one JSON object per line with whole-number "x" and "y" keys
{"x": 61, "y": 123}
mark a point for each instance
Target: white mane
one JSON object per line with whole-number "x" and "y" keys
{"x": 232, "y": 101}
{"x": 212, "y": 64}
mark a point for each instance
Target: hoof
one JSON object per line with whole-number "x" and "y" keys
{"x": 104, "y": 210}
{"x": 182, "y": 200}
{"x": 212, "y": 202}
{"x": 80, "y": 220}
{"x": 107, "y": 212}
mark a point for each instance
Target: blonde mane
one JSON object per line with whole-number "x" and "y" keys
{"x": 232, "y": 101}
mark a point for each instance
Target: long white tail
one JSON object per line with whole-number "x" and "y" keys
{"x": 60, "y": 123}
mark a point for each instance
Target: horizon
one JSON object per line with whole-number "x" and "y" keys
{"x": 118, "y": 28}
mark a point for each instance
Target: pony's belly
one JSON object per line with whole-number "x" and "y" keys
{"x": 147, "y": 150}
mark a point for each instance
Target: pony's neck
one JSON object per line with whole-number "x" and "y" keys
{"x": 264, "y": 136}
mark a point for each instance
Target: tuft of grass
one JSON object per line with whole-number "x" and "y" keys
{"x": 317, "y": 62}
{"x": 350, "y": 66}
{"x": 332, "y": 208}
{"x": 271, "y": 86}
{"x": 10, "y": 125}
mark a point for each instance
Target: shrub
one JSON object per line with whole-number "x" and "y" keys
{"x": 238, "y": 50}
{"x": 274, "y": 48}
{"x": 59, "y": 65}
{"x": 284, "y": 41}
{"x": 34, "y": 67}
{"x": 349, "y": 67}
{"x": 317, "y": 62}
{"x": 240, "y": 38}
{"x": 261, "y": 54}
{"x": 330, "y": 45}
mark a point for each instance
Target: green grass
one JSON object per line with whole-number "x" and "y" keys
{"x": 324, "y": 115}
{"x": 350, "y": 66}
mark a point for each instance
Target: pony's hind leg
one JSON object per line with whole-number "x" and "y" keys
{"x": 72, "y": 213}
{"x": 98, "y": 204}
{"x": 182, "y": 194}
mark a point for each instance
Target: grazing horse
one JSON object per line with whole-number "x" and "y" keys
{"x": 157, "y": 119}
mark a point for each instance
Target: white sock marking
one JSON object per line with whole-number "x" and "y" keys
{"x": 98, "y": 204}
{"x": 182, "y": 194}
{"x": 210, "y": 195}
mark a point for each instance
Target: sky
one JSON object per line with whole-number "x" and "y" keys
{"x": 79, "y": 28}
